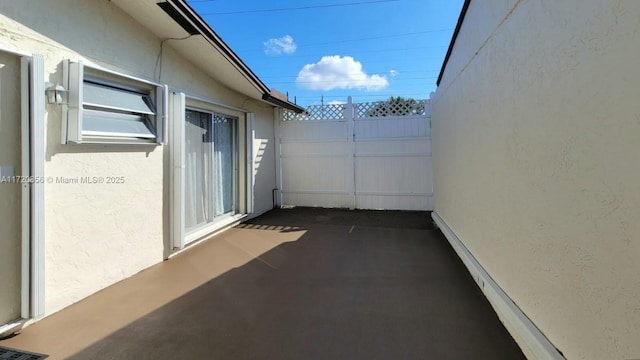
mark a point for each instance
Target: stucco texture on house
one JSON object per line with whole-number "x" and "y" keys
{"x": 97, "y": 234}
{"x": 535, "y": 140}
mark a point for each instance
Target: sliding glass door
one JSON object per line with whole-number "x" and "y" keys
{"x": 211, "y": 177}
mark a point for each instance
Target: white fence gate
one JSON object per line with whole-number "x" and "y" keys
{"x": 365, "y": 155}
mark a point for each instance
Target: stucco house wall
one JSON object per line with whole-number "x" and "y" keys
{"x": 99, "y": 234}
{"x": 536, "y": 128}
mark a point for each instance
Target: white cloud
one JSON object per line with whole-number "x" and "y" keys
{"x": 337, "y": 72}
{"x": 393, "y": 72}
{"x": 279, "y": 46}
{"x": 337, "y": 102}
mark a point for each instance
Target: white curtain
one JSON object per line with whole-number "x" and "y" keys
{"x": 223, "y": 163}
{"x": 198, "y": 179}
{"x": 209, "y": 168}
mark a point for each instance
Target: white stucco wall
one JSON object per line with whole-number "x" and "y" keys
{"x": 264, "y": 155}
{"x": 95, "y": 234}
{"x": 536, "y": 132}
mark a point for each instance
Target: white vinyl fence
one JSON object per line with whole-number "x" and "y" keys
{"x": 359, "y": 156}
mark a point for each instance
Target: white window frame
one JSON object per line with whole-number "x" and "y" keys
{"x": 180, "y": 102}
{"x": 154, "y": 117}
{"x": 32, "y": 87}
{"x": 238, "y": 117}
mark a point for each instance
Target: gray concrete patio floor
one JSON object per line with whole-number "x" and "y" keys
{"x": 291, "y": 284}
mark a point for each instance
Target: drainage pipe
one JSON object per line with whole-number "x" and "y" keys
{"x": 273, "y": 198}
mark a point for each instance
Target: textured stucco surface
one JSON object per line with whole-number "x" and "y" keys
{"x": 96, "y": 235}
{"x": 536, "y": 128}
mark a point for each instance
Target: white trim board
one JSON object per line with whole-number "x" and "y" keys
{"x": 515, "y": 320}
{"x": 26, "y": 192}
{"x": 38, "y": 151}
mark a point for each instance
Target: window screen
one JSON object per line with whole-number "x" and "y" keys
{"x": 109, "y": 97}
{"x": 106, "y": 107}
{"x": 104, "y": 123}
{"x": 115, "y": 112}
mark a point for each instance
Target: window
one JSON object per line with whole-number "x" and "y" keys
{"x": 106, "y": 107}
{"x": 211, "y": 163}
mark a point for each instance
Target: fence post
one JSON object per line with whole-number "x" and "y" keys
{"x": 278, "y": 117}
{"x": 427, "y": 110}
{"x": 349, "y": 117}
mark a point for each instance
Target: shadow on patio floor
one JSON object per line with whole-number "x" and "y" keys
{"x": 353, "y": 285}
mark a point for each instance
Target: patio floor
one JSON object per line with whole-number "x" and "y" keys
{"x": 292, "y": 284}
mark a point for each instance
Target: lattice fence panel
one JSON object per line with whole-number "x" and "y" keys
{"x": 392, "y": 108}
{"x": 292, "y": 116}
{"x": 317, "y": 112}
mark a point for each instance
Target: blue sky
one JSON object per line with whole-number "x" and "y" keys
{"x": 326, "y": 50}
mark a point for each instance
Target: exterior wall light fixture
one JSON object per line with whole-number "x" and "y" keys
{"x": 56, "y": 94}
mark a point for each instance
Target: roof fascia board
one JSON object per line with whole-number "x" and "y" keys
{"x": 463, "y": 12}
{"x": 179, "y": 18}
{"x": 285, "y": 104}
{"x": 190, "y": 21}
{"x": 195, "y": 21}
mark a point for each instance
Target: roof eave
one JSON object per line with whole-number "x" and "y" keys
{"x": 284, "y": 104}
{"x": 191, "y": 22}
